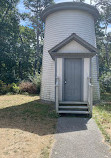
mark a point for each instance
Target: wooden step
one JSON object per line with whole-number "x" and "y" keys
{"x": 73, "y": 103}
{"x": 73, "y": 107}
{"x": 73, "y": 112}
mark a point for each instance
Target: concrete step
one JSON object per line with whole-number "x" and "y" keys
{"x": 72, "y": 103}
{"x": 73, "y": 112}
{"x": 73, "y": 107}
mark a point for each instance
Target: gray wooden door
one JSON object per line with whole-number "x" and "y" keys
{"x": 73, "y": 79}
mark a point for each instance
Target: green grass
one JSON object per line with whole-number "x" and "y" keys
{"x": 28, "y": 113}
{"x": 106, "y": 97}
{"x": 102, "y": 116}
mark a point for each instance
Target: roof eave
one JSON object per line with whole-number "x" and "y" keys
{"x": 78, "y": 39}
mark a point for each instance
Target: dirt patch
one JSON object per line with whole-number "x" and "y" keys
{"x": 27, "y": 127}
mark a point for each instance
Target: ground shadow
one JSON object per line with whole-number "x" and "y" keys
{"x": 34, "y": 117}
{"x": 39, "y": 118}
{"x": 72, "y": 123}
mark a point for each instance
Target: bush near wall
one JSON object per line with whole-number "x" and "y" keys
{"x": 10, "y": 88}
{"x": 26, "y": 86}
{"x": 36, "y": 80}
{"x": 31, "y": 86}
{"x": 105, "y": 82}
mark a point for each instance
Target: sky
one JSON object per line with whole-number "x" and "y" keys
{"x": 22, "y": 9}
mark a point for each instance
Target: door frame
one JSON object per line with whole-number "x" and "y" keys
{"x": 63, "y": 77}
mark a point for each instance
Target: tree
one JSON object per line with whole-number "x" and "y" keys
{"x": 17, "y": 45}
{"x": 36, "y": 7}
{"x": 104, "y": 42}
{"x": 103, "y": 36}
{"x": 25, "y": 52}
{"x": 9, "y": 29}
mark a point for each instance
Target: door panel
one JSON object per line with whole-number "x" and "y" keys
{"x": 72, "y": 79}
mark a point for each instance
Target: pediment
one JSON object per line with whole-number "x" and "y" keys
{"x": 73, "y": 45}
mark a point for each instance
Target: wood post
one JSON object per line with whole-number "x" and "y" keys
{"x": 57, "y": 94}
{"x": 91, "y": 99}
{"x": 90, "y": 95}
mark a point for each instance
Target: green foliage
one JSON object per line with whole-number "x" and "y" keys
{"x": 104, "y": 44}
{"x": 106, "y": 97}
{"x": 32, "y": 86}
{"x": 36, "y": 80}
{"x": 105, "y": 82}
{"x": 9, "y": 29}
{"x": 25, "y": 53}
{"x": 14, "y": 88}
{"x": 17, "y": 45}
{"x": 2, "y": 87}
{"x": 10, "y": 88}
{"x": 35, "y": 8}
{"x": 102, "y": 116}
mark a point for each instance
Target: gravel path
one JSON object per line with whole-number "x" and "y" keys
{"x": 79, "y": 138}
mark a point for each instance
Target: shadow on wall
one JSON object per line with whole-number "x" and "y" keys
{"x": 38, "y": 118}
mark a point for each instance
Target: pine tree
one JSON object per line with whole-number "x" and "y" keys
{"x": 36, "y": 7}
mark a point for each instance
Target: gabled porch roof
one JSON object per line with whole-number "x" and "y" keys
{"x": 93, "y": 51}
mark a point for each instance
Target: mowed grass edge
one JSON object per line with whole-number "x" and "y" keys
{"x": 102, "y": 116}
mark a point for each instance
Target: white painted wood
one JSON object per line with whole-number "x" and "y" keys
{"x": 90, "y": 95}
{"x": 73, "y": 107}
{"x": 73, "y": 112}
{"x": 57, "y": 94}
{"x": 73, "y": 47}
{"x": 73, "y": 102}
{"x": 59, "y": 26}
{"x": 86, "y": 75}
{"x": 59, "y": 74}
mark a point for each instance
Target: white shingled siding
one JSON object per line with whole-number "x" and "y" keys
{"x": 59, "y": 26}
{"x": 73, "y": 47}
{"x": 95, "y": 81}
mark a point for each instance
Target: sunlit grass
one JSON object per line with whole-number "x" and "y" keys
{"x": 102, "y": 115}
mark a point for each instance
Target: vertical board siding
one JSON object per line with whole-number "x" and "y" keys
{"x": 59, "y": 26}
{"x": 86, "y": 75}
{"x": 59, "y": 74}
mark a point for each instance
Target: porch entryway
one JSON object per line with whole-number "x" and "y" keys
{"x": 73, "y": 92}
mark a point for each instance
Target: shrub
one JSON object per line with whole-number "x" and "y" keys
{"x": 4, "y": 88}
{"x": 105, "y": 82}
{"x": 26, "y": 86}
{"x": 14, "y": 88}
{"x": 36, "y": 80}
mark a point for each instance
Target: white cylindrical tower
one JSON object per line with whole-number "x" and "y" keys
{"x": 61, "y": 20}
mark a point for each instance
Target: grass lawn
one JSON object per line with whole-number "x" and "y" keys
{"x": 27, "y": 127}
{"x": 102, "y": 115}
